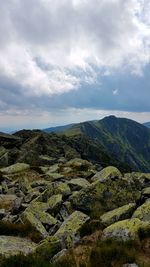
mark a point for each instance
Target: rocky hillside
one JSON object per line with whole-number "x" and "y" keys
{"x": 48, "y": 211}
{"x": 38, "y": 148}
{"x": 123, "y": 139}
{"x": 59, "y": 209}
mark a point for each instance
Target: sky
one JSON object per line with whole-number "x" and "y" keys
{"x": 73, "y": 60}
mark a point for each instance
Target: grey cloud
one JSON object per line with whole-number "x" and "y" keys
{"x": 49, "y": 49}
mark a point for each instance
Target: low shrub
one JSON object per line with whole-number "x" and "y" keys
{"x": 90, "y": 227}
{"x": 19, "y": 229}
{"x": 109, "y": 252}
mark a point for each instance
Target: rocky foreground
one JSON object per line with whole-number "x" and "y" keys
{"x": 45, "y": 209}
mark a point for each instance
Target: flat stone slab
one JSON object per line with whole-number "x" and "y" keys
{"x": 10, "y": 245}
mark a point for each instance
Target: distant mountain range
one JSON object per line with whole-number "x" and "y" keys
{"x": 123, "y": 139}
{"x": 147, "y": 124}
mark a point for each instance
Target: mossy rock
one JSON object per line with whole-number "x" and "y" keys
{"x": 102, "y": 197}
{"x": 61, "y": 188}
{"x": 10, "y": 246}
{"x": 38, "y": 209}
{"x": 49, "y": 247}
{"x": 53, "y": 176}
{"x": 24, "y": 185}
{"x": 143, "y": 212}
{"x": 69, "y": 231}
{"x": 109, "y": 172}
{"x": 15, "y": 168}
{"x": 125, "y": 230}
{"x": 54, "y": 203}
{"x": 29, "y": 218}
{"x": 79, "y": 164}
{"x": 146, "y": 192}
{"x": 122, "y": 213}
{"x": 78, "y": 184}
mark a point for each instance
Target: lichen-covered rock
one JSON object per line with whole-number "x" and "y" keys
{"x": 61, "y": 188}
{"x": 106, "y": 173}
{"x": 78, "y": 183}
{"x": 146, "y": 192}
{"x": 125, "y": 230}
{"x": 54, "y": 203}
{"x": 53, "y": 176}
{"x": 31, "y": 196}
{"x": 143, "y": 212}
{"x": 49, "y": 247}
{"x": 65, "y": 211}
{"x": 24, "y": 185}
{"x": 15, "y": 245}
{"x": 105, "y": 196}
{"x": 38, "y": 207}
{"x": 137, "y": 177}
{"x": 46, "y": 160}
{"x": 122, "y": 213}
{"x": 79, "y": 164}
{"x": 68, "y": 232}
{"x": 29, "y": 218}
{"x": 18, "y": 167}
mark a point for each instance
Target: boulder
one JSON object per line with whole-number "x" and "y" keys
{"x": 24, "y": 185}
{"x": 122, "y": 213}
{"x": 61, "y": 188}
{"x": 10, "y": 246}
{"x": 78, "y": 183}
{"x": 15, "y": 168}
{"x": 49, "y": 247}
{"x": 79, "y": 164}
{"x": 54, "y": 203}
{"x": 125, "y": 230}
{"x": 146, "y": 192}
{"x": 68, "y": 232}
{"x": 143, "y": 212}
{"x": 29, "y": 218}
{"x": 106, "y": 173}
{"x": 105, "y": 196}
{"x": 53, "y": 176}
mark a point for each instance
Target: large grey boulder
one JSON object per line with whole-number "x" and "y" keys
{"x": 122, "y": 213}
{"x": 125, "y": 230}
{"x": 15, "y": 168}
{"x": 109, "y": 172}
{"x": 143, "y": 212}
{"x": 15, "y": 245}
{"x": 68, "y": 232}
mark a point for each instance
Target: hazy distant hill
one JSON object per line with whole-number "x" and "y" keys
{"x": 124, "y": 139}
{"x": 147, "y": 124}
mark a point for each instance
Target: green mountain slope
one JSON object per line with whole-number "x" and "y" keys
{"x": 124, "y": 139}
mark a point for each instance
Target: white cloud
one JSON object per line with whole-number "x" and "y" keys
{"x": 28, "y": 119}
{"x": 50, "y": 47}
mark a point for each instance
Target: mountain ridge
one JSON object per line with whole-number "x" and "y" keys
{"x": 124, "y": 139}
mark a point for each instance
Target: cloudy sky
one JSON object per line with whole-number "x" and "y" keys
{"x": 73, "y": 60}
